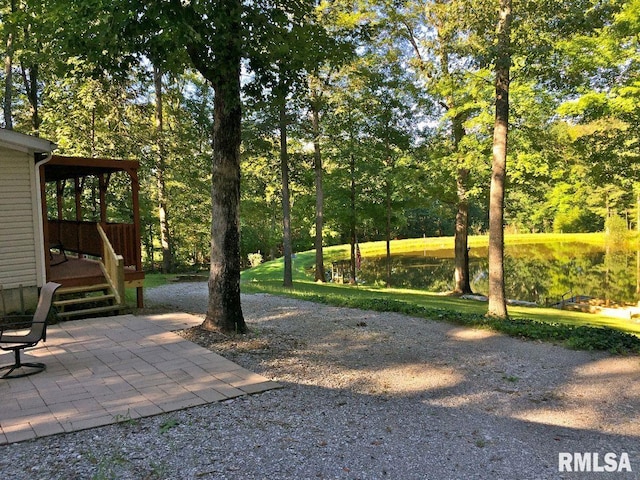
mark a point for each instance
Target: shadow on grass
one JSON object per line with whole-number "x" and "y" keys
{"x": 574, "y": 330}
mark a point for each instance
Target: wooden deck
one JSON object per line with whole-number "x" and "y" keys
{"x": 75, "y": 271}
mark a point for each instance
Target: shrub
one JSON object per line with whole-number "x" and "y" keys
{"x": 255, "y": 259}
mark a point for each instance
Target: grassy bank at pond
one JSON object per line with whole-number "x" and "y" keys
{"x": 573, "y": 329}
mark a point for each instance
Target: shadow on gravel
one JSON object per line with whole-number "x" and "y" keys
{"x": 304, "y": 431}
{"x": 371, "y": 395}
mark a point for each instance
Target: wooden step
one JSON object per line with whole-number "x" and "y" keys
{"x": 89, "y": 311}
{"x": 83, "y": 289}
{"x": 81, "y": 300}
{"x": 85, "y": 301}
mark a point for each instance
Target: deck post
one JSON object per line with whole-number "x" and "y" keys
{"x": 135, "y": 200}
{"x": 103, "y": 180}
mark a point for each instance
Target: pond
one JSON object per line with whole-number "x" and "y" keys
{"x": 536, "y": 272}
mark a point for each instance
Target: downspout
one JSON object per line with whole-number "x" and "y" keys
{"x": 42, "y": 261}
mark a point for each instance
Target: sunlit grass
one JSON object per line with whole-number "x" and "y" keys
{"x": 436, "y": 243}
{"x": 268, "y": 278}
{"x": 309, "y": 290}
{"x": 151, "y": 280}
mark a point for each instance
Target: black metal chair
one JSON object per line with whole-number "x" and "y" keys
{"x": 12, "y": 339}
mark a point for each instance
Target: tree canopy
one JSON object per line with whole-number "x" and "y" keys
{"x": 396, "y": 98}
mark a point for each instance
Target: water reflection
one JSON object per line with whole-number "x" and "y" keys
{"x": 540, "y": 273}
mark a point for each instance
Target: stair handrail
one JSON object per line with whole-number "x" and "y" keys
{"x": 113, "y": 266}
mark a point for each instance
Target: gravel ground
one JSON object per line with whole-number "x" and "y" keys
{"x": 365, "y": 395}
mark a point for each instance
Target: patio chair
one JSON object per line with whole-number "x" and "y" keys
{"x": 11, "y": 337}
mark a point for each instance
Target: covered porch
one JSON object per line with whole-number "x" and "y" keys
{"x": 92, "y": 231}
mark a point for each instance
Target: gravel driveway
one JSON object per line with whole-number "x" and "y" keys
{"x": 367, "y": 395}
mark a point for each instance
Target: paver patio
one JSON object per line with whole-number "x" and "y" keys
{"x": 104, "y": 370}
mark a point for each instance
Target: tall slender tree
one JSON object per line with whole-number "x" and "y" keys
{"x": 8, "y": 26}
{"x": 161, "y": 166}
{"x": 497, "y": 300}
{"x": 287, "y": 249}
{"x": 438, "y": 36}
{"x": 297, "y": 46}
{"x": 315, "y": 104}
{"x": 336, "y": 37}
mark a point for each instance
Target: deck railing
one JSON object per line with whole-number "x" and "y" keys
{"x": 113, "y": 266}
{"x": 82, "y": 237}
{"x": 123, "y": 238}
{"x": 78, "y": 237}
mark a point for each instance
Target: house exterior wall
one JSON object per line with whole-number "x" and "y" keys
{"x": 21, "y": 244}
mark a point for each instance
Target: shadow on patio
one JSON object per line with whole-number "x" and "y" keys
{"x": 105, "y": 370}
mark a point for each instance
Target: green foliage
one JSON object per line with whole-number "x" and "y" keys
{"x": 421, "y": 74}
{"x": 168, "y": 425}
{"x": 573, "y": 219}
{"x": 616, "y": 230}
{"x": 615, "y": 341}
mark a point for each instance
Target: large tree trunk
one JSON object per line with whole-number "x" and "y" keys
{"x": 317, "y": 165}
{"x": 224, "y": 310}
{"x": 497, "y": 301}
{"x": 286, "y": 201}
{"x": 165, "y": 235}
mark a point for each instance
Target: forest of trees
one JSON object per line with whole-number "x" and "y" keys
{"x": 361, "y": 120}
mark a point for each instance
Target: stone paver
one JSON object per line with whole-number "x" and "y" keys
{"x": 105, "y": 370}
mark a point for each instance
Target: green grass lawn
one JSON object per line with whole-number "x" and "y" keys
{"x": 570, "y": 328}
{"x": 151, "y": 280}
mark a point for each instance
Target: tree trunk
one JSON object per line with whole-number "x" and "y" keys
{"x": 388, "y": 190}
{"x": 461, "y": 275}
{"x": 461, "y": 250}
{"x": 7, "y": 104}
{"x": 462, "y": 282}
{"x": 497, "y": 301}
{"x": 286, "y": 202}
{"x": 388, "y": 229}
{"x": 352, "y": 217}
{"x": 165, "y": 235}
{"x": 317, "y": 165}
{"x": 30, "y": 78}
{"x": 93, "y": 133}
{"x": 224, "y": 311}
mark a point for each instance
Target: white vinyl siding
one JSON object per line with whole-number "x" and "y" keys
{"x": 18, "y": 220}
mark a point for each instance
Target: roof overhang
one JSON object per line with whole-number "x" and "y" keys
{"x": 63, "y": 168}
{"x": 25, "y": 143}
